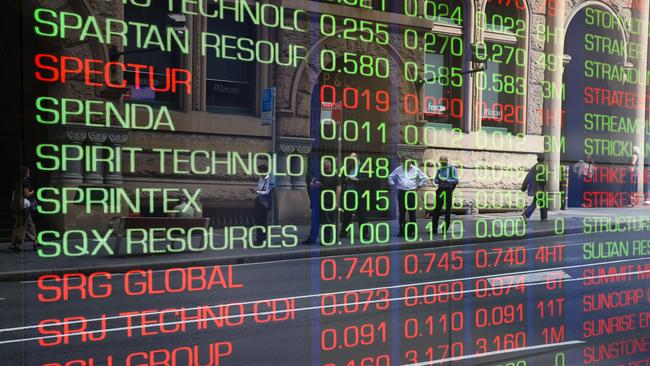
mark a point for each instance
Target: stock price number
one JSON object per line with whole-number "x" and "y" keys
{"x": 501, "y": 342}
{"x": 503, "y": 84}
{"x": 435, "y": 11}
{"x": 355, "y": 302}
{"x": 498, "y": 257}
{"x": 378, "y": 167}
{"x": 379, "y": 360}
{"x": 353, "y": 98}
{"x": 499, "y": 286}
{"x": 433, "y": 74}
{"x": 430, "y": 294}
{"x": 370, "y": 267}
{"x": 498, "y": 315}
{"x": 352, "y": 131}
{"x": 434, "y": 325}
{"x": 433, "y": 43}
{"x": 353, "y": 336}
{"x": 433, "y": 353}
{"x": 354, "y": 29}
{"x": 354, "y": 64}
{"x": 352, "y": 200}
{"x": 433, "y": 262}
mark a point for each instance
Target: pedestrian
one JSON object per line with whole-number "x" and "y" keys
{"x": 633, "y": 173}
{"x": 183, "y": 210}
{"x": 447, "y": 180}
{"x": 354, "y": 180}
{"x": 535, "y": 184}
{"x": 583, "y": 172}
{"x": 262, "y": 202}
{"x": 23, "y": 204}
{"x": 407, "y": 178}
{"x": 327, "y": 208}
{"x": 314, "y": 205}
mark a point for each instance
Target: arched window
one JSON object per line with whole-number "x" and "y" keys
{"x": 159, "y": 59}
{"x": 441, "y": 73}
{"x": 503, "y": 84}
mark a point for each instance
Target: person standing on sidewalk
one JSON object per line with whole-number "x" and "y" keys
{"x": 327, "y": 203}
{"x": 354, "y": 180}
{"x": 447, "y": 180}
{"x": 535, "y": 184}
{"x": 23, "y": 203}
{"x": 407, "y": 178}
{"x": 262, "y": 203}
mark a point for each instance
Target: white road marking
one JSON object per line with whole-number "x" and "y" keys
{"x": 438, "y": 248}
{"x": 245, "y": 315}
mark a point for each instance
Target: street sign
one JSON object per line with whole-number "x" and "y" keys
{"x": 268, "y": 106}
{"x": 331, "y": 111}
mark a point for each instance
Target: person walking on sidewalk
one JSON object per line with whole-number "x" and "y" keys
{"x": 535, "y": 184}
{"x": 262, "y": 203}
{"x": 23, "y": 203}
{"x": 407, "y": 178}
{"x": 447, "y": 180}
{"x": 354, "y": 180}
{"x": 633, "y": 175}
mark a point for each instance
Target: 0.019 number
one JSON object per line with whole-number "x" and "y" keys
{"x": 353, "y": 98}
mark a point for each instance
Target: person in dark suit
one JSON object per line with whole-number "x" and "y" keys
{"x": 262, "y": 203}
{"x": 447, "y": 180}
{"x": 535, "y": 184}
{"x": 23, "y": 203}
{"x": 353, "y": 180}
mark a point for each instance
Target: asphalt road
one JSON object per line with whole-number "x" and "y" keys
{"x": 545, "y": 301}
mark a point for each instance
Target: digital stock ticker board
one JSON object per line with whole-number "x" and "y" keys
{"x": 325, "y": 183}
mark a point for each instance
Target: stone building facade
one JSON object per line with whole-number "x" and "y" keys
{"x": 471, "y": 141}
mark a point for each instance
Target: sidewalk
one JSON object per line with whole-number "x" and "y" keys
{"x": 27, "y": 265}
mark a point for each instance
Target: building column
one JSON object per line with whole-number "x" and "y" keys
{"x": 291, "y": 199}
{"x": 116, "y": 139}
{"x": 72, "y": 174}
{"x": 553, "y": 130}
{"x": 96, "y": 175}
{"x": 642, "y": 12}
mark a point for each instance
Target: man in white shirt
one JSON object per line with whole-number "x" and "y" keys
{"x": 407, "y": 178}
{"x": 183, "y": 210}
